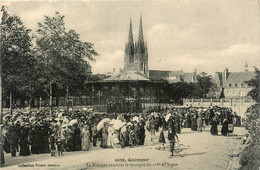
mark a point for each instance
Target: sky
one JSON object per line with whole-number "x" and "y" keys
{"x": 181, "y": 34}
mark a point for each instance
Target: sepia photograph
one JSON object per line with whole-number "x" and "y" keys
{"x": 125, "y": 85}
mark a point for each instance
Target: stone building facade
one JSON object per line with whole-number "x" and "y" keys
{"x": 233, "y": 84}
{"x": 174, "y": 76}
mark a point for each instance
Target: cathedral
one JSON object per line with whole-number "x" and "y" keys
{"x": 136, "y": 53}
{"x": 136, "y": 60}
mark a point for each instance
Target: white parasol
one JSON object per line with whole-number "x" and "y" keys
{"x": 101, "y": 123}
{"x": 112, "y": 122}
{"x": 118, "y": 124}
{"x": 167, "y": 117}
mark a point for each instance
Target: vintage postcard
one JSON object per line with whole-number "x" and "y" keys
{"x": 130, "y": 84}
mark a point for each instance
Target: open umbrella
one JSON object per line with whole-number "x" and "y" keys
{"x": 112, "y": 121}
{"x": 101, "y": 123}
{"x": 167, "y": 117}
{"x": 118, "y": 124}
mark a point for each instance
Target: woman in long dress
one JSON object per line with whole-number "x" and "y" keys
{"x": 194, "y": 123}
{"x": 110, "y": 138}
{"x": 214, "y": 127}
{"x": 85, "y": 139}
{"x": 104, "y": 138}
{"x": 199, "y": 124}
{"x": 224, "y": 129}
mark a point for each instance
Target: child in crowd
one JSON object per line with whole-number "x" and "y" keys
{"x": 52, "y": 143}
{"x": 59, "y": 146}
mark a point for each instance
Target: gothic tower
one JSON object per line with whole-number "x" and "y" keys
{"x": 136, "y": 54}
{"x": 129, "y": 49}
{"x": 141, "y": 54}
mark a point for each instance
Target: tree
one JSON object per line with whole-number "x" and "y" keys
{"x": 250, "y": 155}
{"x": 205, "y": 84}
{"x": 182, "y": 90}
{"x": 17, "y": 61}
{"x": 255, "y": 84}
{"x": 64, "y": 56}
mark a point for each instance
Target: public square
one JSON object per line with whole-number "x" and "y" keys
{"x": 204, "y": 152}
{"x": 130, "y": 85}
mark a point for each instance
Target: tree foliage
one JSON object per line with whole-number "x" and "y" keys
{"x": 18, "y": 63}
{"x": 57, "y": 58}
{"x": 251, "y": 154}
{"x": 63, "y": 54}
{"x": 255, "y": 84}
{"x": 205, "y": 84}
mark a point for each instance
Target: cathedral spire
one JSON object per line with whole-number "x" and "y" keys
{"x": 130, "y": 36}
{"x": 140, "y": 36}
{"x": 141, "y": 47}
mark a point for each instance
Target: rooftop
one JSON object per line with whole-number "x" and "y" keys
{"x": 127, "y": 76}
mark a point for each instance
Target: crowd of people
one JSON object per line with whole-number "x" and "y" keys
{"x": 124, "y": 106}
{"x": 54, "y": 132}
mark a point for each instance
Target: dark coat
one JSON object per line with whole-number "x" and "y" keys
{"x": 161, "y": 138}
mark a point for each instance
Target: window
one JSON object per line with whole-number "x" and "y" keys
{"x": 235, "y": 84}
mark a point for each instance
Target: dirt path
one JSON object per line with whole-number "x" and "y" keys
{"x": 204, "y": 151}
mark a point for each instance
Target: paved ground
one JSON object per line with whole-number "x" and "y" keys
{"x": 204, "y": 151}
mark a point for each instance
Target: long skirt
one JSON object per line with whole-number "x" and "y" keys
{"x": 86, "y": 144}
{"x": 110, "y": 140}
{"x": 214, "y": 130}
{"x": 103, "y": 143}
{"x": 224, "y": 129}
{"x": 194, "y": 125}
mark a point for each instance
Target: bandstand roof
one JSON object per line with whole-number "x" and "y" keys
{"x": 126, "y": 76}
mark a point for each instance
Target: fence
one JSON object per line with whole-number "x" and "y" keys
{"x": 238, "y": 105}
